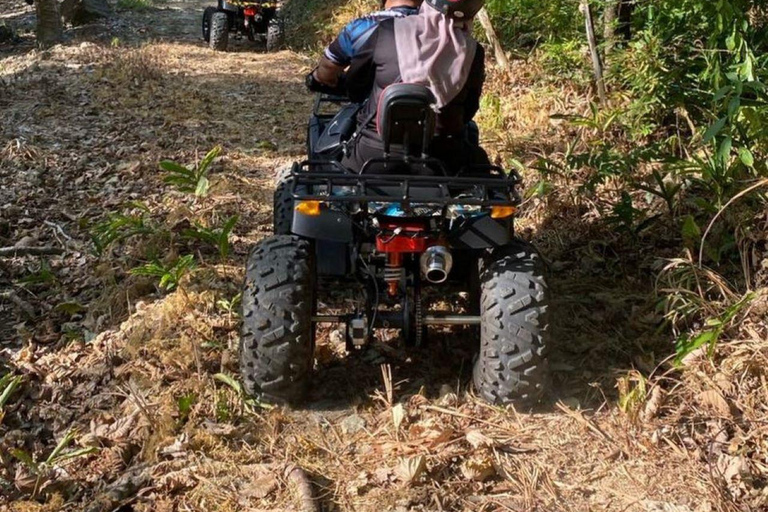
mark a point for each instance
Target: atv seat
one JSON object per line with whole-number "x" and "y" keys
{"x": 406, "y": 119}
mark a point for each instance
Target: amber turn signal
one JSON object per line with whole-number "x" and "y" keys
{"x": 502, "y": 212}
{"x": 311, "y": 208}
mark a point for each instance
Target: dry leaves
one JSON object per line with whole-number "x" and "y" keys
{"x": 410, "y": 469}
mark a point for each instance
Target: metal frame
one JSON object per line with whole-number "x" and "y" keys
{"x": 304, "y": 177}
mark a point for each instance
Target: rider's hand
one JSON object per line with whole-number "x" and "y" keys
{"x": 314, "y": 85}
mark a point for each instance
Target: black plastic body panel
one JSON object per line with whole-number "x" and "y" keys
{"x": 330, "y": 225}
{"x": 332, "y": 258}
{"x": 482, "y": 233}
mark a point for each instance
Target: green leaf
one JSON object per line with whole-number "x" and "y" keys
{"x": 25, "y": 458}
{"x": 65, "y": 441}
{"x": 687, "y": 345}
{"x": 713, "y": 130}
{"x": 170, "y": 166}
{"x": 746, "y": 156}
{"x": 725, "y": 149}
{"x": 69, "y": 308}
{"x": 202, "y": 187}
{"x": 8, "y": 384}
{"x": 229, "y": 381}
{"x": 202, "y": 168}
{"x": 720, "y": 94}
{"x": 80, "y": 452}
{"x": 691, "y": 231}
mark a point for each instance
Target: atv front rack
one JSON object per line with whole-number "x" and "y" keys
{"x": 337, "y": 184}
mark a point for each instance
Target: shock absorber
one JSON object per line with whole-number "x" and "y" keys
{"x": 393, "y": 272}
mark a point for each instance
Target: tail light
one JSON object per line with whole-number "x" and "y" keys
{"x": 251, "y": 11}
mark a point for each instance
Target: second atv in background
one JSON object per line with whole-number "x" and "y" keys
{"x": 257, "y": 20}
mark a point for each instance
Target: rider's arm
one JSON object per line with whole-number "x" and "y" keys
{"x": 362, "y": 71}
{"x": 338, "y": 55}
{"x": 327, "y": 72}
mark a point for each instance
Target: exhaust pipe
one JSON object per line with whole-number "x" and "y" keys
{"x": 436, "y": 264}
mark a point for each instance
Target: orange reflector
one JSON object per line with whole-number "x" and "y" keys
{"x": 311, "y": 208}
{"x": 502, "y": 212}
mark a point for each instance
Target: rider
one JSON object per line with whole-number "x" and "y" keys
{"x": 434, "y": 48}
{"x": 342, "y": 50}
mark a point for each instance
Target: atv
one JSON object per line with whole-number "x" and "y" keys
{"x": 254, "y": 19}
{"x": 400, "y": 227}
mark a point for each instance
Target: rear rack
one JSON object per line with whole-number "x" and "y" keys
{"x": 499, "y": 190}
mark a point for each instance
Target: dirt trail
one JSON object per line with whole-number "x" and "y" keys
{"x": 131, "y": 370}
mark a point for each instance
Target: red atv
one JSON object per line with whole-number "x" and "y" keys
{"x": 257, "y": 20}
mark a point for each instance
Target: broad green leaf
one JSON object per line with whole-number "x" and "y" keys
{"x": 69, "y": 308}
{"x": 170, "y": 166}
{"x": 713, "y": 130}
{"x": 24, "y": 457}
{"x": 720, "y": 94}
{"x": 208, "y": 159}
{"x": 202, "y": 187}
{"x": 229, "y": 381}
{"x": 746, "y": 156}
{"x": 691, "y": 231}
{"x": 725, "y": 149}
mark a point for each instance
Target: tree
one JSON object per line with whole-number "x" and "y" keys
{"x": 617, "y": 20}
{"x": 49, "y": 29}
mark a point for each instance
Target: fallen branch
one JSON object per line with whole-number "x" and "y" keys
{"x": 490, "y": 32}
{"x": 299, "y": 480}
{"x": 26, "y": 307}
{"x": 12, "y": 252}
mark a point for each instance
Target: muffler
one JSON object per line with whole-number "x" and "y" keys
{"x": 436, "y": 263}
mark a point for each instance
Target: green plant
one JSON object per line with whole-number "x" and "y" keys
{"x": 184, "y": 405}
{"x": 169, "y": 275}
{"x": 193, "y": 180}
{"x": 42, "y": 276}
{"x": 119, "y": 226}
{"x": 250, "y": 402}
{"x": 8, "y": 384}
{"x": 711, "y": 335}
{"x": 632, "y": 393}
{"x": 217, "y": 237}
{"x": 135, "y": 5}
{"x": 230, "y": 306}
{"x": 43, "y": 470}
{"x": 667, "y": 188}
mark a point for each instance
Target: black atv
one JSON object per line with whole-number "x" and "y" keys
{"x": 257, "y": 20}
{"x": 382, "y": 236}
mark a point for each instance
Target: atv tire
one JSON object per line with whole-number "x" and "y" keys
{"x": 277, "y": 339}
{"x": 511, "y": 366}
{"x": 219, "y": 37}
{"x": 207, "y": 15}
{"x": 275, "y": 35}
{"x": 282, "y": 204}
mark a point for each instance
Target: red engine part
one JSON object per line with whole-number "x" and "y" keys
{"x": 406, "y": 237}
{"x": 251, "y": 10}
{"x": 399, "y": 238}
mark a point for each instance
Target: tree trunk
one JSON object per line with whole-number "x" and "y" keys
{"x": 624, "y": 26}
{"x": 610, "y": 17}
{"x": 80, "y": 12}
{"x": 49, "y": 31}
{"x": 592, "y": 39}
{"x": 490, "y": 32}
